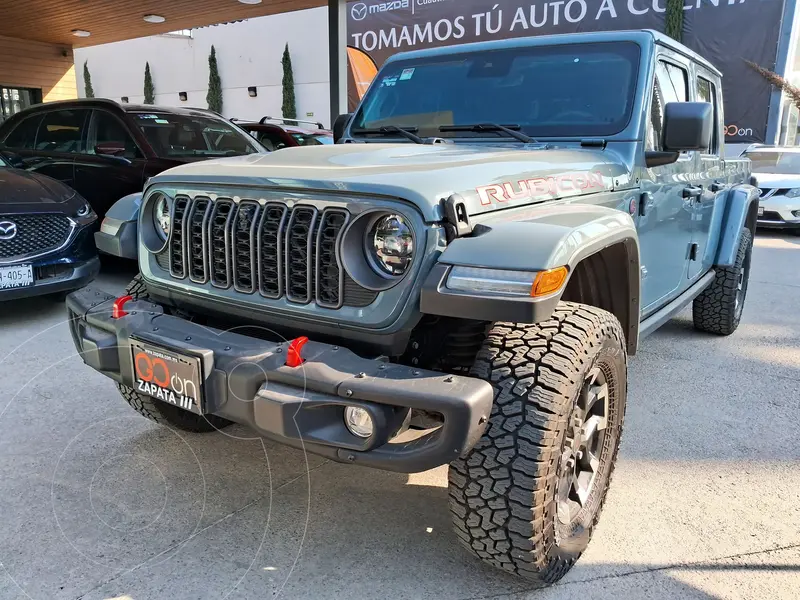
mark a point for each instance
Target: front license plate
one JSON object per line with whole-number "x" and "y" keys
{"x": 16, "y": 276}
{"x": 167, "y": 375}
{"x": 760, "y": 211}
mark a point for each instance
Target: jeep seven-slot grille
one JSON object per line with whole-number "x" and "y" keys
{"x": 272, "y": 249}
{"x": 177, "y": 251}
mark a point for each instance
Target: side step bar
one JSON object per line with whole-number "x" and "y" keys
{"x": 658, "y": 318}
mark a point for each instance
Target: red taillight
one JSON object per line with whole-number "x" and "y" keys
{"x": 293, "y": 358}
{"x": 118, "y": 308}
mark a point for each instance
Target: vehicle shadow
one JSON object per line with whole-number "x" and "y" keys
{"x": 326, "y": 530}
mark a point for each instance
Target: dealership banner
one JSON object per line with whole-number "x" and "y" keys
{"x": 725, "y": 32}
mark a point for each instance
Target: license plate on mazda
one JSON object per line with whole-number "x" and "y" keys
{"x": 169, "y": 376}
{"x": 16, "y": 276}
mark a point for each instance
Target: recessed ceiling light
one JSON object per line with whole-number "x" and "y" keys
{"x": 81, "y": 33}
{"x": 250, "y": 1}
{"x": 154, "y": 18}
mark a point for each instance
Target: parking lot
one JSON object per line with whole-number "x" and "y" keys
{"x": 98, "y": 503}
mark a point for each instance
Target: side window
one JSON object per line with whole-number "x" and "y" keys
{"x": 24, "y": 134}
{"x": 271, "y": 140}
{"x": 108, "y": 129}
{"x": 707, "y": 92}
{"x": 62, "y": 131}
{"x": 671, "y": 85}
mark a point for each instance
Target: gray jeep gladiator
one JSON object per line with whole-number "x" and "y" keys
{"x": 459, "y": 280}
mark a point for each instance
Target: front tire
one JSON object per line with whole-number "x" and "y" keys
{"x": 718, "y": 309}
{"x": 156, "y": 410}
{"x": 527, "y": 497}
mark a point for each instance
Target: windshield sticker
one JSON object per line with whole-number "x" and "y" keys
{"x": 147, "y": 116}
{"x": 567, "y": 184}
{"x": 162, "y": 121}
{"x": 389, "y": 81}
{"x": 407, "y": 74}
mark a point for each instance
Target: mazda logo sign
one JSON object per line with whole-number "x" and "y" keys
{"x": 8, "y": 230}
{"x": 359, "y": 11}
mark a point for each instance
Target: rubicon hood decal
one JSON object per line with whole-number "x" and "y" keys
{"x": 544, "y": 188}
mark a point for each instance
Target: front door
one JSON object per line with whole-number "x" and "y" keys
{"x": 111, "y": 166}
{"x": 666, "y": 215}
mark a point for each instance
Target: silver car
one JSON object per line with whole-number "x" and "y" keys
{"x": 777, "y": 172}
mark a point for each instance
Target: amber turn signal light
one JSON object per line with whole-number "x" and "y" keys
{"x": 550, "y": 281}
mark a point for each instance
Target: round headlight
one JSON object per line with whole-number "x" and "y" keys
{"x": 161, "y": 217}
{"x": 390, "y": 245}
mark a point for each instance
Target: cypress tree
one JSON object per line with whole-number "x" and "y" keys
{"x": 87, "y": 80}
{"x": 673, "y": 25}
{"x": 149, "y": 90}
{"x": 289, "y": 107}
{"x": 214, "y": 96}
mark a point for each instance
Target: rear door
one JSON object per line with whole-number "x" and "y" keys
{"x": 102, "y": 178}
{"x": 711, "y": 178}
{"x": 47, "y": 143}
{"x": 665, "y": 219}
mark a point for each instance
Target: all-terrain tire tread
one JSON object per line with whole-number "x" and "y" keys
{"x": 498, "y": 490}
{"x": 714, "y": 310}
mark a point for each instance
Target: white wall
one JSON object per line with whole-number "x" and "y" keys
{"x": 248, "y": 54}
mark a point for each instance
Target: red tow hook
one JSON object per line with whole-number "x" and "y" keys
{"x": 293, "y": 358}
{"x": 118, "y": 308}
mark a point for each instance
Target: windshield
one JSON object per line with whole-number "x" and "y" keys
{"x": 306, "y": 139}
{"x": 187, "y": 135}
{"x": 557, "y": 91}
{"x": 782, "y": 163}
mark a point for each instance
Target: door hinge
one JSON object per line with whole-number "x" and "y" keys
{"x": 456, "y": 218}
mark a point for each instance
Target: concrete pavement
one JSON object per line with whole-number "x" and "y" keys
{"x": 98, "y": 503}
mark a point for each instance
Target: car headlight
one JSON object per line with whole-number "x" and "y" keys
{"x": 161, "y": 217}
{"x": 390, "y": 245}
{"x": 84, "y": 211}
{"x": 793, "y": 193}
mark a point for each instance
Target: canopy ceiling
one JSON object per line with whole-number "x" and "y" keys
{"x": 113, "y": 20}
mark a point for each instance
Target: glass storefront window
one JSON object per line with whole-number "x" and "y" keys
{"x": 14, "y": 100}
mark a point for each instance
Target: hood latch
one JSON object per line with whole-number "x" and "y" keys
{"x": 456, "y": 218}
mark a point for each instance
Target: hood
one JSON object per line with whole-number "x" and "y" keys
{"x": 29, "y": 190}
{"x": 777, "y": 180}
{"x": 488, "y": 178}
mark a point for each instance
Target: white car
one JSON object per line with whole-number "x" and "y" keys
{"x": 777, "y": 173}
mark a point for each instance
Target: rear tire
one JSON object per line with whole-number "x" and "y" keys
{"x": 527, "y": 497}
{"x": 719, "y": 308}
{"x": 156, "y": 410}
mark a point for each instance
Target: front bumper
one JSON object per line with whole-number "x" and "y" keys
{"x": 779, "y": 213}
{"x": 55, "y": 277}
{"x": 245, "y": 380}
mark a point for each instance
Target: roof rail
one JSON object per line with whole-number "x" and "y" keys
{"x": 284, "y": 119}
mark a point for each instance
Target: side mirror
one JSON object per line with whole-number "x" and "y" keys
{"x": 688, "y": 126}
{"x": 339, "y": 125}
{"x": 110, "y": 148}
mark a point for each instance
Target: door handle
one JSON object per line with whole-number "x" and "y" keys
{"x": 693, "y": 191}
{"x": 718, "y": 186}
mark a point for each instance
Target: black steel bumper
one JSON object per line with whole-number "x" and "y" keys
{"x": 54, "y": 278}
{"x": 245, "y": 380}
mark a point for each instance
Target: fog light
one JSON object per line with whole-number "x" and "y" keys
{"x": 358, "y": 421}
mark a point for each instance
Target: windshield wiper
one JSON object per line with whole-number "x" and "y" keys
{"x": 406, "y": 132}
{"x": 511, "y": 130}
